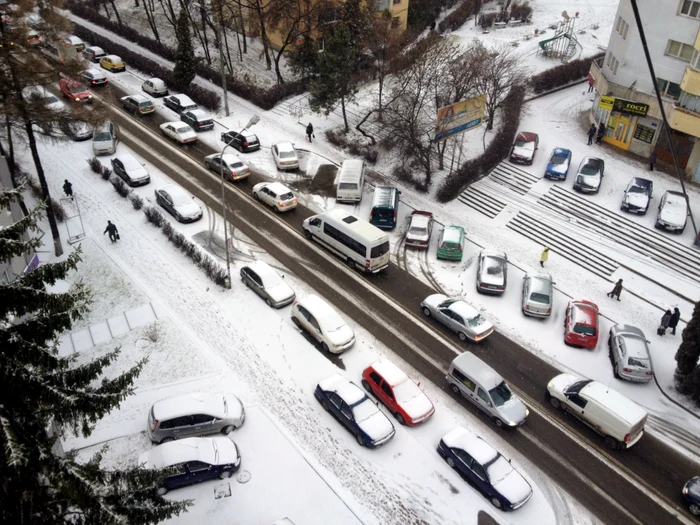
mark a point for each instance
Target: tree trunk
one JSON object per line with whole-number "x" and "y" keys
{"x": 116, "y": 12}
{"x": 345, "y": 117}
{"x": 245, "y": 43}
{"x": 278, "y": 56}
{"x": 151, "y": 18}
{"x": 205, "y": 38}
{"x": 441, "y": 153}
{"x": 364, "y": 133}
{"x": 381, "y": 92}
{"x": 263, "y": 34}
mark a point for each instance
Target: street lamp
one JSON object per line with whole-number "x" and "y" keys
{"x": 253, "y": 120}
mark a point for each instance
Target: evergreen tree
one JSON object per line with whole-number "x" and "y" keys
{"x": 42, "y": 391}
{"x": 688, "y": 372}
{"x": 303, "y": 60}
{"x": 185, "y": 62}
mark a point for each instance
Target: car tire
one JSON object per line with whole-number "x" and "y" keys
{"x": 269, "y": 303}
{"x": 496, "y": 503}
{"x": 366, "y": 386}
{"x": 325, "y": 348}
{"x": 162, "y": 491}
{"x": 450, "y": 462}
{"x": 167, "y": 440}
{"x": 309, "y": 235}
{"x": 657, "y": 225}
{"x": 556, "y": 404}
{"x": 360, "y": 440}
{"x": 400, "y": 418}
{"x": 611, "y": 443}
{"x": 499, "y": 422}
{"x": 694, "y": 509}
{"x": 255, "y": 196}
{"x": 276, "y": 209}
{"x": 616, "y": 371}
{"x": 456, "y": 390}
{"x": 225, "y": 474}
{"x": 462, "y": 337}
{"x": 227, "y": 430}
{"x": 426, "y": 311}
{"x": 350, "y": 263}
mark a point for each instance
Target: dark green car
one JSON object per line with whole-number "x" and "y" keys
{"x": 451, "y": 243}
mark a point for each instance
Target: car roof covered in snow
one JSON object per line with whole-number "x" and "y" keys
{"x": 214, "y": 451}
{"x": 473, "y": 445}
{"x": 452, "y": 233}
{"x": 347, "y": 390}
{"x": 210, "y": 403}
{"x": 391, "y": 373}
{"x": 584, "y": 312}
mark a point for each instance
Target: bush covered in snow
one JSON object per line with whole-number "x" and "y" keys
{"x": 121, "y": 188}
{"x": 136, "y": 201}
{"x": 459, "y": 16}
{"x": 105, "y": 172}
{"x": 154, "y": 216}
{"x": 352, "y": 144}
{"x": 95, "y": 164}
{"x": 562, "y": 75}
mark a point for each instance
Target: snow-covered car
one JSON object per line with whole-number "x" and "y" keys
{"x": 637, "y": 196}
{"x": 94, "y": 54}
{"x": 485, "y": 468}
{"x": 195, "y": 460}
{"x": 673, "y": 212}
{"x": 691, "y": 494}
{"x": 178, "y": 203}
{"x": 458, "y": 316}
{"x": 130, "y": 169}
{"x": 112, "y": 63}
{"x": 74, "y": 90}
{"x": 629, "y": 354}
{"x": 275, "y": 194}
{"x": 179, "y": 132}
{"x": 558, "y": 165}
{"x": 138, "y": 104}
{"x": 357, "y": 412}
{"x": 589, "y": 175}
{"x": 538, "y": 294}
{"x": 76, "y": 42}
{"x": 76, "y": 130}
{"x": 264, "y": 280}
{"x": 398, "y": 392}
{"x": 492, "y": 272}
{"x": 199, "y": 119}
{"x": 179, "y": 103}
{"x": 581, "y": 324}
{"x": 94, "y": 77}
{"x": 155, "y": 87}
{"x": 285, "y": 156}
{"x": 420, "y": 227}
{"x": 39, "y": 95}
{"x": 234, "y": 168}
{"x": 524, "y": 148}
{"x": 105, "y": 138}
{"x": 320, "y": 320}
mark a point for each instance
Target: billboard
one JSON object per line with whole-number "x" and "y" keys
{"x": 459, "y": 117}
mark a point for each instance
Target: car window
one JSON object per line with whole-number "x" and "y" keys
{"x": 165, "y": 425}
{"x": 463, "y": 456}
{"x": 345, "y": 410}
{"x": 578, "y": 400}
{"x": 479, "y": 470}
{"x": 118, "y": 164}
{"x": 539, "y": 298}
{"x": 198, "y": 466}
{"x": 199, "y": 419}
{"x": 640, "y": 363}
{"x": 483, "y": 396}
{"x": 501, "y": 394}
{"x": 374, "y": 376}
{"x": 183, "y": 421}
{"x": 316, "y": 222}
{"x": 387, "y": 390}
{"x": 314, "y": 322}
{"x": 180, "y": 468}
{"x": 335, "y": 399}
{"x": 304, "y": 312}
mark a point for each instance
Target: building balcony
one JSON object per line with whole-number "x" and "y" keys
{"x": 691, "y": 81}
{"x": 685, "y": 120}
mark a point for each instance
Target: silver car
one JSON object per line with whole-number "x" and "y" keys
{"x": 264, "y": 280}
{"x": 105, "y": 139}
{"x": 538, "y": 294}
{"x": 492, "y": 273}
{"x": 673, "y": 212}
{"x": 458, "y": 316}
{"x": 194, "y": 414}
{"x": 629, "y": 354}
{"x": 590, "y": 174}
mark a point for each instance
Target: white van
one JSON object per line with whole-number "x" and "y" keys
{"x": 482, "y": 385}
{"x": 618, "y": 419}
{"x": 357, "y": 242}
{"x": 350, "y": 181}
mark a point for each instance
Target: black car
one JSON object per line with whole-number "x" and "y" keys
{"x": 244, "y": 141}
{"x": 138, "y": 104}
{"x": 178, "y": 203}
{"x": 198, "y": 119}
{"x": 130, "y": 170}
{"x": 691, "y": 494}
{"x": 179, "y": 103}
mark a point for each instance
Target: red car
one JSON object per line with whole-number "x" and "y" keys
{"x": 581, "y": 324}
{"x": 74, "y": 90}
{"x": 397, "y": 392}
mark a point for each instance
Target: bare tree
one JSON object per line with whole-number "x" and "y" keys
{"x": 260, "y": 8}
{"x": 149, "y": 7}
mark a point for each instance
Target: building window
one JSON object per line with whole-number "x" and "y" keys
{"x": 395, "y": 22}
{"x": 612, "y": 63}
{"x": 396, "y": 2}
{"x": 644, "y": 133}
{"x": 679, "y": 50}
{"x": 689, "y": 102}
{"x": 690, "y": 8}
{"x": 621, "y": 27}
{"x": 695, "y": 61}
{"x": 668, "y": 89}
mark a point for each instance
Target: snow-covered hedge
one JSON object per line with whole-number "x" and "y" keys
{"x": 562, "y": 75}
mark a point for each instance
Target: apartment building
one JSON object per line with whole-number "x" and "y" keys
{"x": 625, "y": 98}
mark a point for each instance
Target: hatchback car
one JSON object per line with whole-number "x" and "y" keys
{"x": 76, "y": 130}
{"x": 155, "y": 87}
{"x": 40, "y": 95}
{"x": 458, "y": 316}
{"x": 691, "y": 494}
{"x": 195, "y": 414}
{"x": 138, "y": 105}
{"x": 74, "y": 90}
{"x": 180, "y": 132}
{"x": 233, "y": 168}
{"x": 492, "y": 272}
{"x": 538, "y": 294}
{"x": 105, "y": 139}
{"x": 451, "y": 243}
{"x": 112, "y": 63}
{"x": 637, "y": 196}
{"x": 524, "y": 148}
{"x": 673, "y": 212}
{"x": 275, "y": 194}
{"x": 581, "y": 324}
{"x": 194, "y": 460}
{"x": 244, "y": 141}
{"x": 178, "y": 203}
{"x": 396, "y": 391}
{"x": 629, "y": 354}
{"x": 357, "y": 412}
{"x": 131, "y": 170}
{"x": 94, "y": 78}
{"x": 316, "y": 317}
{"x": 179, "y": 103}
{"x": 199, "y": 119}
{"x": 285, "y": 156}
{"x": 485, "y": 468}
{"x": 558, "y": 165}
{"x": 589, "y": 175}
{"x": 264, "y": 280}
{"x": 420, "y": 227}
{"x": 94, "y": 54}
{"x": 76, "y": 42}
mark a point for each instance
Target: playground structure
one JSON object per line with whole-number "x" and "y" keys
{"x": 563, "y": 45}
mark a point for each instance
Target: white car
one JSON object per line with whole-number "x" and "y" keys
{"x": 673, "y": 212}
{"x": 234, "y": 168}
{"x": 39, "y": 94}
{"x": 420, "y": 227}
{"x": 94, "y": 77}
{"x": 458, "y": 316}
{"x": 155, "y": 87}
{"x": 178, "y": 203}
{"x": 179, "y": 132}
{"x": 285, "y": 156}
{"x": 492, "y": 273}
{"x": 275, "y": 194}
{"x": 264, "y": 280}
{"x": 316, "y": 317}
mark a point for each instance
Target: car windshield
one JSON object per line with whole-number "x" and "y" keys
{"x": 383, "y": 213}
{"x": 475, "y": 321}
{"x": 522, "y": 143}
{"x": 590, "y": 169}
{"x": 494, "y": 266}
{"x": 287, "y": 155}
{"x": 364, "y": 410}
{"x": 347, "y": 186}
{"x": 501, "y": 394}
{"x": 332, "y": 322}
{"x": 50, "y": 99}
{"x": 180, "y": 198}
{"x": 146, "y": 104}
{"x": 102, "y": 136}
{"x": 447, "y": 245}
{"x": 183, "y": 129}
{"x": 499, "y": 470}
{"x": 236, "y": 164}
{"x": 447, "y": 303}
{"x": 556, "y": 159}
{"x": 539, "y": 298}
{"x": 637, "y": 189}
{"x": 418, "y": 229}
{"x": 286, "y": 196}
{"x": 639, "y": 363}
{"x": 77, "y": 89}
{"x": 406, "y": 391}
{"x": 576, "y": 387}
{"x": 584, "y": 329}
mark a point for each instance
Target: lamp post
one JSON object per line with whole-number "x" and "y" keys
{"x": 253, "y": 120}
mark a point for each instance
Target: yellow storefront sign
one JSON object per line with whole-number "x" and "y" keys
{"x": 606, "y": 103}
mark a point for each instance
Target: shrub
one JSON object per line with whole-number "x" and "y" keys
{"x": 154, "y": 216}
{"x": 136, "y": 201}
{"x": 105, "y": 172}
{"x": 339, "y": 138}
{"x": 121, "y": 188}
{"x": 58, "y": 210}
{"x": 168, "y": 230}
{"x": 95, "y": 164}
{"x": 177, "y": 239}
{"x": 562, "y": 75}
{"x": 522, "y": 12}
{"x": 487, "y": 19}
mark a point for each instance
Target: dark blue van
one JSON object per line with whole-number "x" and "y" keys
{"x": 385, "y": 207}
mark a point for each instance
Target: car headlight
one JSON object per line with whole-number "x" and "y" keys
{"x": 685, "y": 490}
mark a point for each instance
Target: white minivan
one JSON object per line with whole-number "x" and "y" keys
{"x": 350, "y": 181}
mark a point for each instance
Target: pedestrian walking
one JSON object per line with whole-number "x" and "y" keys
{"x": 665, "y": 322}
{"x": 652, "y": 160}
{"x": 591, "y": 83}
{"x": 591, "y": 134}
{"x": 68, "y": 189}
{"x": 617, "y": 290}
{"x": 675, "y": 317}
{"x": 601, "y": 133}
{"x": 544, "y": 256}
{"x": 310, "y": 132}
{"x": 112, "y": 230}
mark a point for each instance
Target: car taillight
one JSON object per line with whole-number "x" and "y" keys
{"x": 245, "y": 144}
{"x": 460, "y": 247}
{"x": 650, "y": 373}
{"x": 155, "y": 426}
{"x": 628, "y": 370}
{"x": 627, "y": 438}
{"x": 549, "y": 310}
{"x": 395, "y": 213}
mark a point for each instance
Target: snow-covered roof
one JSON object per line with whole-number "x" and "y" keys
{"x": 114, "y": 58}
{"x": 278, "y": 188}
{"x": 487, "y": 376}
{"x": 464, "y": 309}
{"x": 452, "y": 234}
{"x": 624, "y": 407}
{"x": 285, "y": 146}
{"x": 476, "y": 447}
{"x": 184, "y": 100}
{"x": 210, "y": 403}
{"x": 419, "y": 220}
{"x": 348, "y": 391}
{"x": 350, "y": 170}
{"x": 584, "y": 312}
{"x": 215, "y": 451}
{"x": 200, "y": 114}
{"x": 391, "y": 373}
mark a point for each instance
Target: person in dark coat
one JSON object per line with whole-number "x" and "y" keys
{"x": 309, "y": 132}
{"x": 591, "y": 134}
{"x": 673, "y": 323}
{"x": 665, "y": 322}
{"x": 601, "y": 133}
{"x": 112, "y": 230}
{"x": 652, "y": 160}
{"x": 617, "y": 290}
{"x": 68, "y": 189}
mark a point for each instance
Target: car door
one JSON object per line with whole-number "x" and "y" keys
{"x": 335, "y": 404}
{"x": 315, "y": 328}
{"x": 181, "y": 427}
{"x": 464, "y": 464}
{"x": 257, "y": 284}
{"x": 303, "y": 318}
{"x": 444, "y": 315}
{"x": 618, "y": 351}
{"x": 347, "y": 418}
{"x": 526, "y": 291}
{"x": 266, "y": 196}
{"x": 200, "y": 471}
{"x": 238, "y": 141}
{"x": 483, "y": 400}
{"x": 458, "y": 323}
{"x": 480, "y": 478}
{"x": 180, "y": 478}
{"x": 387, "y": 396}
{"x": 168, "y": 202}
{"x": 120, "y": 170}
{"x": 203, "y": 423}
{"x": 375, "y": 383}
{"x": 576, "y": 405}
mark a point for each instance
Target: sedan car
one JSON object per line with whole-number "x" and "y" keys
{"x": 581, "y": 324}
{"x": 131, "y": 170}
{"x": 691, "y": 494}
{"x": 94, "y": 54}
{"x": 199, "y": 119}
{"x": 420, "y": 227}
{"x": 629, "y": 354}
{"x": 179, "y": 132}
{"x": 275, "y": 194}
{"x": 589, "y": 175}
{"x": 458, "y": 316}
{"x": 673, "y": 212}
{"x": 637, "y": 196}
{"x": 524, "y": 148}
{"x": 351, "y": 406}
{"x": 264, "y": 280}
{"x": 74, "y": 90}
{"x": 178, "y": 203}
{"x": 451, "y": 243}
{"x": 492, "y": 272}
{"x": 155, "y": 87}
{"x": 538, "y": 294}
{"x": 138, "y": 105}
{"x": 320, "y": 320}
{"x": 194, "y": 460}
{"x": 234, "y": 169}
{"x": 112, "y": 63}
{"x": 76, "y": 130}
{"x": 558, "y": 165}
{"x": 388, "y": 383}
{"x": 94, "y": 77}
{"x": 179, "y": 103}
{"x": 485, "y": 468}
{"x": 244, "y": 141}
{"x": 285, "y": 156}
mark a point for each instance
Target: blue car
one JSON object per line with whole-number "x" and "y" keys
{"x": 357, "y": 412}
{"x": 483, "y": 467}
{"x": 558, "y": 165}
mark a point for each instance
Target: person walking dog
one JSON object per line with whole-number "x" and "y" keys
{"x": 591, "y": 134}
{"x": 617, "y": 290}
{"x": 544, "y": 256}
{"x": 675, "y": 317}
{"x": 310, "y": 132}
{"x": 665, "y": 322}
{"x": 68, "y": 189}
{"x": 112, "y": 230}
